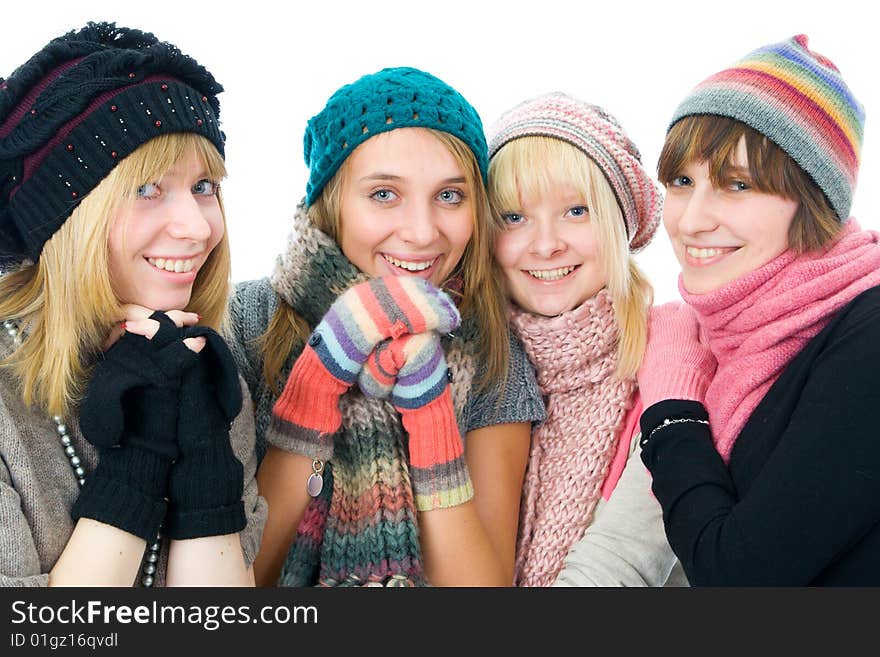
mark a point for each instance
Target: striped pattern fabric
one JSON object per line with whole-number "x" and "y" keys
{"x": 600, "y": 136}
{"x": 412, "y": 371}
{"x": 799, "y": 100}
{"x": 369, "y": 313}
{"x": 307, "y": 411}
{"x": 440, "y": 478}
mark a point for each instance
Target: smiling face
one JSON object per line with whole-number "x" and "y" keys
{"x": 550, "y": 253}
{"x": 405, "y": 206}
{"x": 158, "y": 243}
{"x": 563, "y": 231}
{"x": 720, "y": 232}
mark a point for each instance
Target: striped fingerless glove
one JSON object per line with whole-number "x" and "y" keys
{"x": 306, "y": 415}
{"x": 413, "y": 370}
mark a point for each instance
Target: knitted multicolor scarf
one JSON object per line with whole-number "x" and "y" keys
{"x": 575, "y": 355}
{"x": 362, "y": 529}
{"x": 758, "y": 323}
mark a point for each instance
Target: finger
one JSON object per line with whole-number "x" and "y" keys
{"x": 195, "y": 344}
{"x": 182, "y": 318}
{"x": 132, "y": 311}
{"x": 145, "y": 327}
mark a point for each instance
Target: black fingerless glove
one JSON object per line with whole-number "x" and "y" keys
{"x": 206, "y": 483}
{"x": 129, "y": 413}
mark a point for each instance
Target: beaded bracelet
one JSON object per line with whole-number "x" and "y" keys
{"x": 667, "y": 422}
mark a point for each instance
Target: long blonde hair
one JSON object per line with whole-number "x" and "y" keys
{"x": 482, "y": 298}
{"x": 65, "y": 301}
{"x": 530, "y": 167}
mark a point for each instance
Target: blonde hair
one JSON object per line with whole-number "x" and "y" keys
{"x": 65, "y": 300}
{"x": 714, "y": 139}
{"x": 529, "y": 167}
{"x": 482, "y": 298}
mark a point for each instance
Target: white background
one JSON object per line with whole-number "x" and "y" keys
{"x": 280, "y": 61}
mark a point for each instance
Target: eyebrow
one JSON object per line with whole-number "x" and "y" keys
{"x": 460, "y": 180}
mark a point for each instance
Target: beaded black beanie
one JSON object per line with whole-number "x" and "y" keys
{"x": 392, "y": 98}
{"x": 77, "y": 108}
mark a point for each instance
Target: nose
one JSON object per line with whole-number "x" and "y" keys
{"x": 697, "y": 213}
{"x": 546, "y": 239}
{"x": 419, "y": 225}
{"x": 188, "y": 220}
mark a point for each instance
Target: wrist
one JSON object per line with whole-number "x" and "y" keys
{"x": 310, "y": 398}
{"x": 679, "y": 382}
{"x": 439, "y": 473}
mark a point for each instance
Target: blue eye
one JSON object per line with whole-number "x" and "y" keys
{"x": 680, "y": 181}
{"x": 383, "y": 195}
{"x": 206, "y": 187}
{"x": 148, "y": 191}
{"x": 578, "y": 211}
{"x": 739, "y": 186}
{"x": 512, "y": 218}
{"x": 451, "y": 196}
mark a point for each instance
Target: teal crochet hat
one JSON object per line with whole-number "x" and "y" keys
{"x": 390, "y": 99}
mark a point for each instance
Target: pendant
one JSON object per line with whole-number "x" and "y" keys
{"x": 315, "y": 484}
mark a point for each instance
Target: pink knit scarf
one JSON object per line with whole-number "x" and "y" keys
{"x": 756, "y": 324}
{"x": 575, "y": 355}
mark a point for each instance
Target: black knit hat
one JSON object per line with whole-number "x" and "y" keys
{"x": 76, "y": 109}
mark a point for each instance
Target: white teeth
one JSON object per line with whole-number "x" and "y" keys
{"x": 176, "y": 266}
{"x": 408, "y": 265}
{"x": 551, "y": 274}
{"x": 694, "y": 252}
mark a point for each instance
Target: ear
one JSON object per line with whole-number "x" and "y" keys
{"x": 222, "y": 367}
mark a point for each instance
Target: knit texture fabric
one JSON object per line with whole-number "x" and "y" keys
{"x": 798, "y": 99}
{"x": 412, "y": 370}
{"x": 129, "y": 412}
{"x": 205, "y": 487}
{"x": 756, "y": 324}
{"x": 389, "y": 99}
{"x": 77, "y": 108}
{"x": 39, "y": 487}
{"x": 575, "y": 355}
{"x": 601, "y": 138}
{"x": 356, "y": 323}
{"x": 362, "y": 528}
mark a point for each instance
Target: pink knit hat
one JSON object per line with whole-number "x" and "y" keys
{"x": 598, "y": 134}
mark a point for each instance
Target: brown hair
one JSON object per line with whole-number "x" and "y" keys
{"x": 714, "y": 140}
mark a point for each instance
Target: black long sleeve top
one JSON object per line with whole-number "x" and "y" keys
{"x": 799, "y": 501}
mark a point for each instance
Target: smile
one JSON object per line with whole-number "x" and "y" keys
{"x": 409, "y": 265}
{"x": 176, "y": 266}
{"x": 705, "y": 254}
{"x": 551, "y": 274}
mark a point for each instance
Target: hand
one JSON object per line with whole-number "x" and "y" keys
{"x": 677, "y": 364}
{"x": 136, "y": 319}
{"x": 206, "y": 484}
{"x": 413, "y": 370}
{"x": 306, "y": 415}
{"x": 129, "y": 413}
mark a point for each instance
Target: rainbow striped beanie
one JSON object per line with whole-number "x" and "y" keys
{"x": 798, "y": 99}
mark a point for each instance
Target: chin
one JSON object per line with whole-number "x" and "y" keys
{"x": 167, "y": 302}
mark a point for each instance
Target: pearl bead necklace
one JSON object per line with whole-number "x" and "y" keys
{"x": 151, "y": 555}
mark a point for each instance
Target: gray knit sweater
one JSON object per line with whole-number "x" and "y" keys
{"x": 38, "y": 486}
